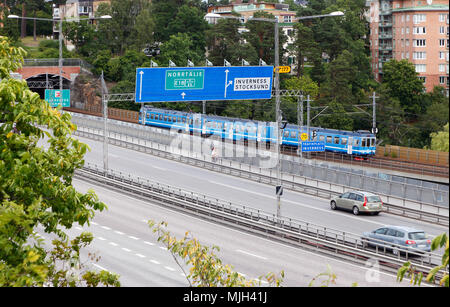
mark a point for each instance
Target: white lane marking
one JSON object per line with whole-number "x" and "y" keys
{"x": 302, "y": 251}
{"x": 100, "y": 267}
{"x": 297, "y": 203}
{"x": 149, "y": 243}
{"x": 250, "y": 254}
{"x": 169, "y": 268}
{"x": 101, "y": 238}
{"x": 118, "y": 232}
{"x": 160, "y": 168}
{"x": 106, "y": 227}
{"x": 126, "y": 249}
{"x": 113, "y": 244}
{"x": 163, "y": 248}
{"x": 78, "y": 227}
{"x": 134, "y": 238}
{"x": 140, "y": 255}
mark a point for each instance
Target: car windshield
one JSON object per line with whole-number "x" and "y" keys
{"x": 417, "y": 235}
{"x": 373, "y": 199}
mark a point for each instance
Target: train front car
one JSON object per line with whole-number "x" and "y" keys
{"x": 368, "y": 143}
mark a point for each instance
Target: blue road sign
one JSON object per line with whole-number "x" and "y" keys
{"x": 159, "y": 84}
{"x": 313, "y": 146}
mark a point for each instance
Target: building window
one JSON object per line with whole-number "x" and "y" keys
{"x": 419, "y": 43}
{"x": 442, "y": 79}
{"x": 418, "y": 18}
{"x": 442, "y": 43}
{"x": 443, "y": 55}
{"x": 443, "y": 68}
{"x": 419, "y": 55}
{"x": 441, "y": 30}
{"x": 421, "y": 67}
{"x": 423, "y": 79}
{"x": 419, "y": 30}
{"x": 287, "y": 18}
{"x": 443, "y": 18}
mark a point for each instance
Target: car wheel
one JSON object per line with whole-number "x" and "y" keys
{"x": 333, "y": 205}
{"x": 355, "y": 210}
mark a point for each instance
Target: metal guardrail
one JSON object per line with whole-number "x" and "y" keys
{"x": 299, "y": 233}
{"x": 425, "y": 212}
{"x": 419, "y": 192}
{"x": 55, "y": 62}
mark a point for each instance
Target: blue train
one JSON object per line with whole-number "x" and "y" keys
{"x": 359, "y": 143}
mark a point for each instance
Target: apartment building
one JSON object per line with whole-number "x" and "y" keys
{"x": 75, "y": 9}
{"x": 286, "y": 19}
{"x": 414, "y": 30}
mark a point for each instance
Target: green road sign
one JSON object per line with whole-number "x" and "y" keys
{"x": 56, "y": 97}
{"x": 189, "y": 79}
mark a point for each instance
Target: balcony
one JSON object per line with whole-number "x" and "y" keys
{"x": 385, "y": 36}
{"x": 385, "y": 24}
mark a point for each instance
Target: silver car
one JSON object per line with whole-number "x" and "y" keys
{"x": 398, "y": 239}
{"x": 358, "y": 202}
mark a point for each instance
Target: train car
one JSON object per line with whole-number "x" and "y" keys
{"x": 360, "y": 143}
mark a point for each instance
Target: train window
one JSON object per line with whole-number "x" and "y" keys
{"x": 336, "y": 140}
{"x": 329, "y": 139}
{"x": 148, "y": 116}
{"x": 321, "y": 138}
{"x": 190, "y": 121}
{"x": 363, "y": 143}
{"x": 219, "y": 125}
{"x": 160, "y": 117}
{"x": 293, "y": 134}
{"x": 372, "y": 143}
{"x": 356, "y": 142}
{"x": 165, "y": 118}
{"x": 183, "y": 119}
{"x": 152, "y": 116}
{"x": 286, "y": 133}
{"x": 344, "y": 141}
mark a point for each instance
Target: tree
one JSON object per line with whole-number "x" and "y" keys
{"x": 189, "y": 20}
{"x": 225, "y": 42}
{"x": 179, "y": 48}
{"x": 439, "y": 140}
{"x": 403, "y": 83}
{"x": 36, "y": 186}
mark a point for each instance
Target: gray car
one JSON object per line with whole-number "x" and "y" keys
{"x": 398, "y": 239}
{"x": 358, "y": 202}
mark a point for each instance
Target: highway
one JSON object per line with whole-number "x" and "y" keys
{"x": 261, "y": 196}
{"x": 129, "y": 248}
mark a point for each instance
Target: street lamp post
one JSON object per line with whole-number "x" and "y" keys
{"x": 277, "y": 90}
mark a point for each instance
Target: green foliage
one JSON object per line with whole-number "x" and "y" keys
{"x": 179, "y": 48}
{"x": 440, "y": 241}
{"x": 440, "y": 140}
{"x": 205, "y": 267}
{"x": 36, "y": 183}
{"x": 403, "y": 83}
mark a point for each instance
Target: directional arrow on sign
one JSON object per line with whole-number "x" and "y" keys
{"x": 183, "y": 94}
{"x": 227, "y": 83}
{"x": 140, "y": 87}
